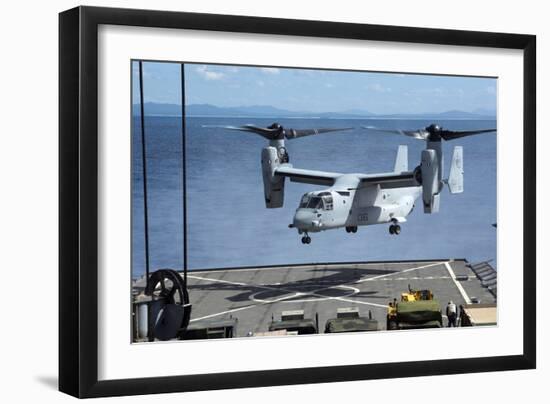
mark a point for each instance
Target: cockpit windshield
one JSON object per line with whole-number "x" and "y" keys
{"x": 322, "y": 201}
{"x": 315, "y": 203}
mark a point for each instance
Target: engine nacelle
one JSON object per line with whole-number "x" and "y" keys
{"x": 430, "y": 180}
{"x": 274, "y": 187}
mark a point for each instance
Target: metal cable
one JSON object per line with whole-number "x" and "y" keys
{"x": 184, "y": 174}
{"x": 144, "y": 172}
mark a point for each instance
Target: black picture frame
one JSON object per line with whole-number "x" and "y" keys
{"x": 78, "y": 200}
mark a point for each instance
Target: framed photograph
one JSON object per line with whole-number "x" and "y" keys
{"x": 252, "y": 202}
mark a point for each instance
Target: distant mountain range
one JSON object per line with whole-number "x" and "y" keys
{"x": 267, "y": 111}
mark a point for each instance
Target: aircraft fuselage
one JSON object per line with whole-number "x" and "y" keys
{"x": 337, "y": 207}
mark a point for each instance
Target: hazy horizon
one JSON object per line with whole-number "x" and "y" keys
{"x": 318, "y": 91}
{"x": 479, "y": 111}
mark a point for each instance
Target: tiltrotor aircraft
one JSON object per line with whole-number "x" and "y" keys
{"x": 353, "y": 200}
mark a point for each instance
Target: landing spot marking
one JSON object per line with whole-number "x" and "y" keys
{"x": 458, "y": 285}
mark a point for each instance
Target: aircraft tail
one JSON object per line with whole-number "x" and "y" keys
{"x": 456, "y": 175}
{"x": 401, "y": 160}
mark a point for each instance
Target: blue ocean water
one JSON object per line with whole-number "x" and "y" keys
{"x": 229, "y": 226}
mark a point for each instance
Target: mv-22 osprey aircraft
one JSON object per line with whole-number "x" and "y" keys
{"x": 353, "y": 200}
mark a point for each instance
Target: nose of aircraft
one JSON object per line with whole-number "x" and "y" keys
{"x": 304, "y": 219}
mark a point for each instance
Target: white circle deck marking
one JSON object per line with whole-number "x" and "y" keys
{"x": 286, "y": 299}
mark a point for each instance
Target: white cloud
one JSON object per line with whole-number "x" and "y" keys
{"x": 270, "y": 70}
{"x": 379, "y": 88}
{"x": 435, "y": 92}
{"x": 209, "y": 74}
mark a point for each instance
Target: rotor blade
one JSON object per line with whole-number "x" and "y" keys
{"x": 264, "y": 132}
{"x": 455, "y": 134}
{"x": 417, "y": 134}
{"x": 296, "y": 133}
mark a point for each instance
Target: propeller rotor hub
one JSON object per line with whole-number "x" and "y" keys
{"x": 434, "y": 132}
{"x": 278, "y": 132}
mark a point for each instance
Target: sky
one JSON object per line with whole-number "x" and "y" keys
{"x": 311, "y": 90}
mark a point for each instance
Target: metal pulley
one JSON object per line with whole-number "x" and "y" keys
{"x": 169, "y": 308}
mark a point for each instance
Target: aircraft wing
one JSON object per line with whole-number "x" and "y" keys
{"x": 393, "y": 180}
{"x": 307, "y": 176}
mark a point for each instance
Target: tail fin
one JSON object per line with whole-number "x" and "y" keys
{"x": 401, "y": 160}
{"x": 456, "y": 175}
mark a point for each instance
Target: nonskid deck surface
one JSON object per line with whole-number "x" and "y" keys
{"x": 256, "y": 295}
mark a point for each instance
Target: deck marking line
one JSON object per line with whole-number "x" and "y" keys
{"x": 319, "y": 297}
{"x": 400, "y": 272}
{"x": 223, "y": 312}
{"x": 342, "y": 299}
{"x": 217, "y": 280}
{"x": 261, "y": 303}
{"x": 458, "y": 285}
{"x": 329, "y": 265}
{"x": 253, "y": 298}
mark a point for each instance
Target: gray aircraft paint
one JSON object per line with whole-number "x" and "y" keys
{"x": 354, "y": 200}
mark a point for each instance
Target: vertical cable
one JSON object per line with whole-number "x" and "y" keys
{"x": 184, "y": 174}
{"x": 144, "y": 166}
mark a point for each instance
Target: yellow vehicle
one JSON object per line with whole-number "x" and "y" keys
{"x": 414, "y": 295}
{"x": 417, "y": 309}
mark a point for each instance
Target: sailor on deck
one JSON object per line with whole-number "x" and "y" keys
{"x": 451, "y": 314}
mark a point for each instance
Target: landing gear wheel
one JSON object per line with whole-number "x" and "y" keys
{"x": 354, "y": 229}
{"x": 348, "y": 229}
{"x": 170, "y": 310}
{"x": 392, "y": 325}
{"x": 306, "y": 240}
{"x": 395, "y": 229}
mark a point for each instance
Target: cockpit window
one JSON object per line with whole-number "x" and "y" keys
{"x": 304, "y": 201}
{"x": 321, "y": 201}
{"x": 315, "y": 203}
{"x": 329, "y": 205}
